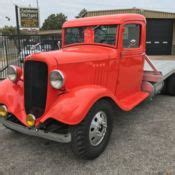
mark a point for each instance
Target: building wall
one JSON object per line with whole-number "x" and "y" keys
{"x": 147, "y": 13}
{"x": 173, "y": 45}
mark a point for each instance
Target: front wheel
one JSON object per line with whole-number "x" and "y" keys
{"x": 91, "y": 136}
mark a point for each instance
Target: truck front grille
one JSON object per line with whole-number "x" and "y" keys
{"x": 35, "y": 87}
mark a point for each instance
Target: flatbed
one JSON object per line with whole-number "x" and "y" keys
{"x": 166, "y": 67}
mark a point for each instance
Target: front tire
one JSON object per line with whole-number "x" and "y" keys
{"x": 91, "y": 136}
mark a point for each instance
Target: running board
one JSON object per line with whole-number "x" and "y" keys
{"x": 133, "y": 100}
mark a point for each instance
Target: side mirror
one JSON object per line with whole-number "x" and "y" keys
{"x": 59, "y": 44}
{"x": 132, "y": 43}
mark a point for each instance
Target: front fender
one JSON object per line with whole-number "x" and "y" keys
{"x": 69, "y": 108}
{"x": 12, "y": 95}
{"x": 72, "y": 107}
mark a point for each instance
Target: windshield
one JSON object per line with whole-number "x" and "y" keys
{"x": 74, "y": 35}
{"x": 101, "y": 34}
{"x": 105, "y": 34}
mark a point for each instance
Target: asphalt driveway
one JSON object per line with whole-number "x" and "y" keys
{"x": 143, "y": 142}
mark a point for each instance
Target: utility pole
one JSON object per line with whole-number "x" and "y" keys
{"x": 37, "y": 3}
{"x": 17, "y": 27}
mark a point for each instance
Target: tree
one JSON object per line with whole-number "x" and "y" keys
{"x": 8, "y": 30}
{"x": 54, "y": 22}
{"x": 82, "y": 13}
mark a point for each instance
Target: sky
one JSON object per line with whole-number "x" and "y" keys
{"x": 72, "y": 7}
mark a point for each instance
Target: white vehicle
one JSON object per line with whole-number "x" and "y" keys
{"x": 29, "y": 49}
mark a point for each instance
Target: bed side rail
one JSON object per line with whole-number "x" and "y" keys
{"x": 147, "y": 59}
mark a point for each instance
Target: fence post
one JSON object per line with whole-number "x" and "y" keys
{"x": 6, "y": 53}
{"x": 17, "y": 27}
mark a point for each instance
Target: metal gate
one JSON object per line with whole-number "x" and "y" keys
{"x": 14, "y": 49}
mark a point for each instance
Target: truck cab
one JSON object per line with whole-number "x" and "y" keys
{"x": 115, "y": 48}
{"x": 69, "y": 95}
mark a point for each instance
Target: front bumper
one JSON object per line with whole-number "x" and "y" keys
{"x": 62, "y": 138}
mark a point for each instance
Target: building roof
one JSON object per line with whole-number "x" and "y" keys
{"x": 102, "y": 20}
{"x": 47, "y": 32}
{"x": 146, "y": 13}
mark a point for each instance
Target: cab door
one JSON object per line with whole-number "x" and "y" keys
{"x": 131, "y": 59}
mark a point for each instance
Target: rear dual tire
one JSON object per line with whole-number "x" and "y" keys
{"x": 169, "y": 87}
{"x": 91, "y": 136}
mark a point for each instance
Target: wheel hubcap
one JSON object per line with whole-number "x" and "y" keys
{"x": 98, "y": 128}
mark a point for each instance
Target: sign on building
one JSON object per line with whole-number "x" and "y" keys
{"x": 29, "y": 18}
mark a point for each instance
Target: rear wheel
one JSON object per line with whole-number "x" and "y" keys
{"x": 170, "y": 85}
{"x": 91, "y": 136}
{"x": 164, "y": 89}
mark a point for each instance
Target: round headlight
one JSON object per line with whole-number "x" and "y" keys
{"x": 57, "y": 79}
{"x": 12, "y": 73}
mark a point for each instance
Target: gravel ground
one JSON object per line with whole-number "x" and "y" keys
{"x": 142, "y": 143}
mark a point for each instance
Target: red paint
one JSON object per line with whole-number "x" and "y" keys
{"x": 92, "y": 71}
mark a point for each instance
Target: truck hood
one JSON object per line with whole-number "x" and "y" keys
{"x": 75, "y": 54}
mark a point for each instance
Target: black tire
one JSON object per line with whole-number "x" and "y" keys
{"x": 164, "y": 89}
{"x": 81, "y": 144}
{"x": 170, "y": 89}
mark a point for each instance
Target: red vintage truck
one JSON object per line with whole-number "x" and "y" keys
{"x": 70, "y": 95}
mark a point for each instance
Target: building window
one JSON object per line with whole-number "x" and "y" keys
{"x": 131, "y": 38}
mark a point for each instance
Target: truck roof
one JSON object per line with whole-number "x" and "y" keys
{"x": 103, "y": 20}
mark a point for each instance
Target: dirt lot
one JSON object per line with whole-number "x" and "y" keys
{"x": 142, "y": 143}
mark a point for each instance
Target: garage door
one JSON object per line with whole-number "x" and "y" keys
{"x": 159, "y": 36}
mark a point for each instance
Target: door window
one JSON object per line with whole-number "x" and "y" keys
{"x": 131, "y": 38}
